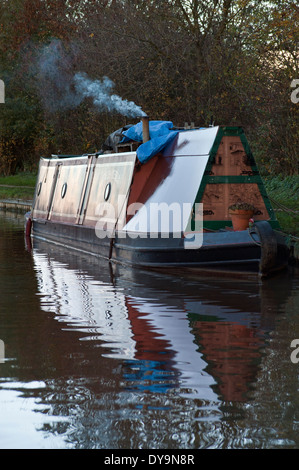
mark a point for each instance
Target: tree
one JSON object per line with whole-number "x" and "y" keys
{"x": 179, "y": 60}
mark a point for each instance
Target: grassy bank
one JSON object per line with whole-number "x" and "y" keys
{"x": 284, "y": 195}
{"x": 20, "y": 186}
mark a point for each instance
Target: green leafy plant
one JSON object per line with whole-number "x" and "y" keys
{"x": 244, "y": 206}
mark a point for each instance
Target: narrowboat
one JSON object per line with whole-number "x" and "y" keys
{"x": 160, "y": 197}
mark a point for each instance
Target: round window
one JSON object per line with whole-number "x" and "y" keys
{"x": 107, "y": 191}
{"x": 63, "y": 190}
{"x": 39, "y": 188}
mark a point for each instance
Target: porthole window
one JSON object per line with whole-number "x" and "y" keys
{"x": 39, "y": 188}
{"x": 63, "y": 190}
{"x": 107, "y": 191}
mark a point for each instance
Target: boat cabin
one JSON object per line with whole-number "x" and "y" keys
{"x": 189, "y": 176}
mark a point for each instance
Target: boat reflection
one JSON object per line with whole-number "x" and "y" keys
{"x": 201, "y": 337}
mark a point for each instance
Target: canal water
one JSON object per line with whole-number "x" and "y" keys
{"x": 115, "y": 358}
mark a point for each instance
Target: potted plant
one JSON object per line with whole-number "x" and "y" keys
{"x": 240, "y": 214}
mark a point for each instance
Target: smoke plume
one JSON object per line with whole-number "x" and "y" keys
{"x": 60, "y": 88}
{"x": 100, "y": 92}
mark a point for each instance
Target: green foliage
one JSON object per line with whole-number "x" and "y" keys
{"x": 284, "y": 194}
{"x": 284, "y": 189}
{"x": 232, "y": 60}
{"x": 243, "y": 206}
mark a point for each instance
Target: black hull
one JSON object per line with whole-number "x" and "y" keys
{"x": 221, "y": 252}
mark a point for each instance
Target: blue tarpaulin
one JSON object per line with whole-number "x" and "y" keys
{"x": 161, "y": 134}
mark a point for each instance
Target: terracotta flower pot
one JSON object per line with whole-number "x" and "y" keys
{"x": 240, "y": 218}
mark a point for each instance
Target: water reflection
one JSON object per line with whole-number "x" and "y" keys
{"x": 201, "y": 338}
{"x": 113, "y": 358}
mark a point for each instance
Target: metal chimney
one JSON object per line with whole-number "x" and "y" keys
{"x": 145, "y": 128}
